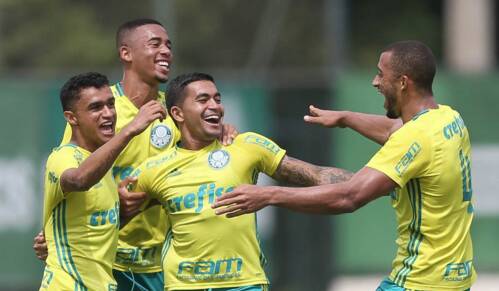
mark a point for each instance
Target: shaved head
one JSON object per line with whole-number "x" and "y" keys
{"x": 128, "y": 27}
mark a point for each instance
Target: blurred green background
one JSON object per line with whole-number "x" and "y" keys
{"x": 270, "y": 59}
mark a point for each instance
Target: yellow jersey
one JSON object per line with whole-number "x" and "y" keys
{"x": 429, "y": 158}
{"x": 141, "y": 240}
{"x": 204, "y": 250}
{"x": 81, "y": 228}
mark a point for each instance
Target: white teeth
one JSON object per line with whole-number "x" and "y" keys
{"x": 164, "y": 64}
{"x": 212, "y": 118}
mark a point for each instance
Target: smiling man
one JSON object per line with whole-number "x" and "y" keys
{"x": 81, "y": 206}
{"x": 424, "y": 164}
{"x": 204, "y": 251}
{"x": 145, "y": 51}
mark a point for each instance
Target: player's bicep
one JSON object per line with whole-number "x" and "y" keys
{"x": 69, "y": 180}
{"x": 369, "y": 184}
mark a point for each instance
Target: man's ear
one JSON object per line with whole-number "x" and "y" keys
{"x": 125, "y": 53}
{"x": 71, "y": 118}
{"x": 177, "y": 114}
{"x": 404, "y": 80}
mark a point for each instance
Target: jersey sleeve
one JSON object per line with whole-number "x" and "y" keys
{"x": 267, "y": 153}
{"x": 406, "y": 155}
{"x": 58, "y": 162}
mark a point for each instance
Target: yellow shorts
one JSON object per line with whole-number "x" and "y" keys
{"x": 55, "y": 279}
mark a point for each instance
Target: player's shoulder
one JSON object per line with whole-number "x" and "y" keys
{"x": 253, "y": 139}
{"x": 66, "y": 155}
{"x": 423, "y": 128}
{"x": 409, "y": 133}
{"x": 250, "y": 137}
{"x": 66, "y": 150}
{"x": 161, "y": 160}
{"x": 429, "y": 121}
{"x": 448, "y": 113}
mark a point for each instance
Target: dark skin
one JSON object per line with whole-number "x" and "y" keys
{"x": 375, "y": 127}
{"x": 202, "y": 96}
{"x": 94, "y": 109}
{"x": 403, "y": 100}
{"x": 298, "y": 172}
{"x": 146, "y": 55}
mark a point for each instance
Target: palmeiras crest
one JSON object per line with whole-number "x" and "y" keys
{"x": 218, "y": 159}
{"x": 161, "y": 136}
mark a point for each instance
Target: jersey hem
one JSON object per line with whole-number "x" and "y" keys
{"x": 192, "y": 286}
{"x": 123, "y": 268}
{"x": 434, "y": 287}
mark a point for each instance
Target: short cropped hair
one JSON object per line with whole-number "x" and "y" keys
{"x": 70, "y": 91}
{"x": 131, "y": 25}
{"x": 414, "y": 59}
{"x": 175, "y": 92}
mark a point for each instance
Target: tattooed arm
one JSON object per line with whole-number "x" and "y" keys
{"x": 301, "y": 173}
{"x": 366, "y": 185}
{"x": 250, "y": 198}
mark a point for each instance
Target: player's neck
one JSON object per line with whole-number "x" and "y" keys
{"x": 78, "y": 140}
{"x": 193, "y": 144}
{"x": 416, "y": 105}
{"x": 137, "y": 90}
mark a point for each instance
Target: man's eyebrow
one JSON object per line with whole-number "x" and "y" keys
{"x": 202, "y": 95}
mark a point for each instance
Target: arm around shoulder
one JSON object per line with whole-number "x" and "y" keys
{"x": 366, "y": 185}
{"x": 297, "y": 172}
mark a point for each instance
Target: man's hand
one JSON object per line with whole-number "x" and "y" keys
{"x": 149, "y": 112}
{"x": 327, "y": 118}
{"x": 40, "y": 246}
{"x": 229, "y": 133}
{"x": 130, "y": 202}
{"x": 244, "y": 199}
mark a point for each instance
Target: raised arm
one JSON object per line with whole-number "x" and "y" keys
{"x": 100, "y": 161}
{"x": 301, "y": 173}
{"x": 377, "y": 128}
{"x": 366, "y": 185}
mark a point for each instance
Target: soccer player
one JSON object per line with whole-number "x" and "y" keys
{"x": 424, "y": 164}
{"x": 81, "y": 205}
{"x": 144, "y": 49}
{"x": 202, "y": 250}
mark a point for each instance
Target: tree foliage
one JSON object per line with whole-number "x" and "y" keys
{"x": 61, "y": 35}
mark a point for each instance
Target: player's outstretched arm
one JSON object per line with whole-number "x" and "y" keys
{"x": 377, "y": 128}
{"x": 100, "y": 161}
{"x": 300, "y": 173}
{"x": 365, "y": 186}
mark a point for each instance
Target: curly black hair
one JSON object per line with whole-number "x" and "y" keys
{"x": 70, "y": 92}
